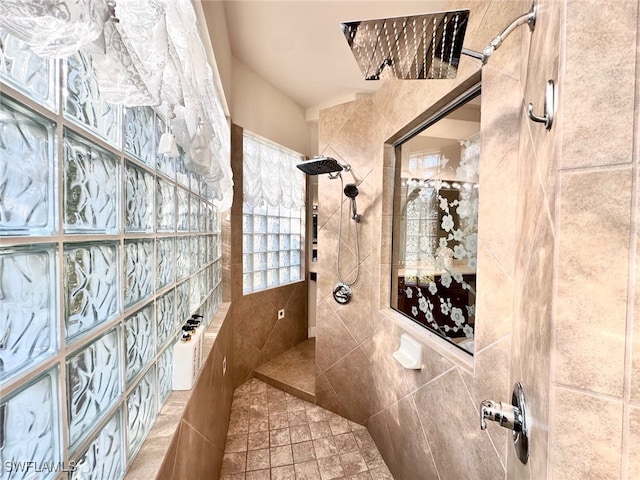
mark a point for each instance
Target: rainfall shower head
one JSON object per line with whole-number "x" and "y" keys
{"x": 414, "y": 47}
{"x": 320, "y": 165}
{"x": 419, "y": 47}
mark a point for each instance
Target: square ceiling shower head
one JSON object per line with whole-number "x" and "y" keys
{"x": 416, "y": 47}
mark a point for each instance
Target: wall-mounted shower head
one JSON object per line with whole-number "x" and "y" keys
{"x": 351, "y": 191}
{"x": 419, "y": 47}
{"x": 320, "y": 165}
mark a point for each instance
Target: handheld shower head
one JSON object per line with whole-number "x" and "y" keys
{"x": 320, "y": 165}
{"x": 351, "y": 191}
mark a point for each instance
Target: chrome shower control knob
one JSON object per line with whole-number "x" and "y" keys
{"x": 513, "y": 417}
{"x": 506, "y": 415}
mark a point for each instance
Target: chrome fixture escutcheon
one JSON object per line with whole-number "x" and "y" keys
{"x": 513, "y": 417}
{"x": 342, "y": 293}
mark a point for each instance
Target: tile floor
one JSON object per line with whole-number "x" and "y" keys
{"x": 294, "y": 371}
{"x": 276, "y": 436}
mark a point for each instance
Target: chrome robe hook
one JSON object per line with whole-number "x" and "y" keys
{"x": 549, "y": 107}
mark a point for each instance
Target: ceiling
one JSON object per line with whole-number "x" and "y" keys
{"x": 299, "y": 48}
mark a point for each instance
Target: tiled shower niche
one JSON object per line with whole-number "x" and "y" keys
{"x": 105, "y": 250}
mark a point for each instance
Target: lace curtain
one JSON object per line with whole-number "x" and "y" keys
{"x": 149, "y": 53}
{"x": 270, "y": 174}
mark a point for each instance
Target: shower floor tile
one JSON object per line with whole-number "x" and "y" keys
{"x": 294, "y": 371}
{"x": 274, "y": 435}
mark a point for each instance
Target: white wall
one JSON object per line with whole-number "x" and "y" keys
{"x": 258, "y": 106}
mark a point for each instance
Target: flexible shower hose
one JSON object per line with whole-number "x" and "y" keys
{"x": 340, "y": 243}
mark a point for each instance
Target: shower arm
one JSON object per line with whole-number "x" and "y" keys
{"x": 529, "y": 18}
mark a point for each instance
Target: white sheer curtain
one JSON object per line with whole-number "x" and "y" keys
{"x": 270, "y": 174}
{"x": 148, "y": 53}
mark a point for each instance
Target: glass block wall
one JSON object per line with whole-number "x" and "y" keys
{"x": 272, "y": 246}
{"x": 105, "y": 249}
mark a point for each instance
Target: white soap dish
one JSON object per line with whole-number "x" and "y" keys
{"x": 409, "y": 355}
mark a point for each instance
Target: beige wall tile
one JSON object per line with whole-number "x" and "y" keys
{"x": 633, "y": 448}
{"x": 333, "y": 340}
{"x": 351, "y": 379}
{"x": 405, "y": 449}
{"x": 592, "y": 279}
{"x": 587, "y": 437}
{"x": 589, "y": 34}
{"x": 450, "y": 421}
{"x": 635, "y": 347}
{"x": 195, "y": 456}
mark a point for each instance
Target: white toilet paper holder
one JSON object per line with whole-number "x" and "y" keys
{"x": 409, "y": 355}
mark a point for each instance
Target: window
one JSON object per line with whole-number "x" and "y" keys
{"x": 435, "y": 222}
{"x": 106, "y": 249}
{"x": 273, "y": 215}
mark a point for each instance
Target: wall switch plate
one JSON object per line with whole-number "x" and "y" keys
{"x": 281, "y": 314}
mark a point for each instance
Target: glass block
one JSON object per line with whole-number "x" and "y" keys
{"x": 182, "y": 174}
{"x": 294, "y": 274}
{"x": 165, "y": 206}
{"x": 247, "y": 224}
{"x": 165, "y": 372}
{"x": 25, "y": 71}
{"x": 139, "y": 341}
{"x": 272, "y": 277}
{"x": 193, "y": 253}
{"x": 165, "y": 317}
{"x": 92, "y": 285}
{"x": 259, "y": 261}
{"x": 83, "y": 103}
{"x": 285, "y": 225}
{"x": 31, "y": 426}
{"x": 294, "y": 257}
{"x": 94, "y": 383}
{"x": 247, "y": 262}
{"x": 139, "y": 191}
{"x": 285, "y": 212}
{"x": 259, "y": 280}
{"x": 28, "y": 166}
{"x": 295, "y": 242}
{"x": 91, "y": 187}
{"x": 165, "y": 261}
{"x": 284, "y": 242}
{"x": 259, "y": 224}
{"x": 104, "y": 458}
{"x": 183, "y": 210}
{"x": 273, "y": 210}
{"x": 194, "y": 292}
{"x": 273, "y": 259}
{"x": 273, "y": 225}
{"x": 182, "y": 303}
{"x": 247, "y": 282}
{"x": 183, "y": 257}
{"x": 247, "y": 243}
{"x": 261, "y": 208}
{"x": 273, "y": 242}
{"x": 139, "y": 270}
{"x": 28, "y": 310}
{"x": 194, "y": 209}
{"x": 202, "y": 217}
{"x": 284, "y": 275}
{"x": 259, "y": 243}
{"x": 284, "y": 259}
{"x": 295, "y": 225}
{"x": 139, "y": 134}
{"x": 202, "y": 250}
{"x": 141, "y": 410}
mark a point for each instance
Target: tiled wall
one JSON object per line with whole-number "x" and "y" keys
{"x": 556, "y": 259}
{"x": 258, "y": 334}
{"x": 595, "y": 433}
